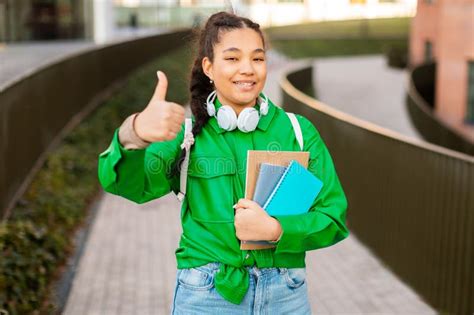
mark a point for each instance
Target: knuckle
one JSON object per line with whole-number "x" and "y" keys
{"x": 161, "y": 134}
{"x": 167, "y": 115}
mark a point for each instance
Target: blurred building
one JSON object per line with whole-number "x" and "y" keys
{"x": 443, "y": 31}
{"x": 98, "y": 20}
{"x": 22, "y": 20}
{"x": 283, "y": 12}
{"x": 265, "y": 12}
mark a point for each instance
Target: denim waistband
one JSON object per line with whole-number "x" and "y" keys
{"x": 214, "y": 266}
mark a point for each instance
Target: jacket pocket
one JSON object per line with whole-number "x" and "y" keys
{"x": 210, "y": 188}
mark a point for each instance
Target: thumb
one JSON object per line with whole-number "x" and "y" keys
{"x": 161, "y": 87}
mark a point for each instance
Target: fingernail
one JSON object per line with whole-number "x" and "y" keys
{"x": 158, "y": 74}
{"x": 234, "y": 206}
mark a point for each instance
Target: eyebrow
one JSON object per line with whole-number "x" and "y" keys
{"x": 236, "y": 49}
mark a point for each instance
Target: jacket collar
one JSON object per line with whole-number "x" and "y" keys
{"x": 263, "y": 122}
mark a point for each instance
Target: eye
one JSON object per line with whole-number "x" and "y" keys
{"x": 259, "y": 59}
{"x": 231, "y": 58}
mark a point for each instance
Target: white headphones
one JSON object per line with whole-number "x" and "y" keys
{"x": 227, "y": 118}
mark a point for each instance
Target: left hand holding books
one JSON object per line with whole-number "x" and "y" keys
{"x": 252, "y": 222}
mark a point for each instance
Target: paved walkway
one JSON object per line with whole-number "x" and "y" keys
{"x": 129, "y": 264}
{"x": 128, "y": 267}
{"x": 20, "y": 59}
{"x": 365, "y": 87}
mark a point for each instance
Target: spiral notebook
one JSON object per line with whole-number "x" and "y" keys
{"x": 267, "y": 179}
{"x": 294, "y": 193}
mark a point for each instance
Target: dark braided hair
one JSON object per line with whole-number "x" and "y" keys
{"x": 200, "y": 86}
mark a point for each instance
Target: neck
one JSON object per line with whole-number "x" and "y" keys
{"x": 237, "y": 108}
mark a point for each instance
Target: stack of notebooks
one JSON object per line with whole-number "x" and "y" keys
{"x": 280, "y": 183}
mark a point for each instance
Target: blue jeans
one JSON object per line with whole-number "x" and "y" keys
{"x": 271, "y": 291}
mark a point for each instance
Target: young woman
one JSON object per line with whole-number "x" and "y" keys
{"x": 230, "y": 116}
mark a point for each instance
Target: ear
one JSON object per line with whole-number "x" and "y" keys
{"x": 207, "y": 67}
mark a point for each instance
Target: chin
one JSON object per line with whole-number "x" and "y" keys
{"x": 247, "y": 99}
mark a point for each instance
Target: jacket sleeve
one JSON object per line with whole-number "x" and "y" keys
{"x": 140, "y": 175}
{"x": 325, "y": 223}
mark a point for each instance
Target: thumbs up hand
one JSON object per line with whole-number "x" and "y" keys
{"x": 160, "y": 120}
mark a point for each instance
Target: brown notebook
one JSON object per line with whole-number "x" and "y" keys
{"x": 254, "y": 159}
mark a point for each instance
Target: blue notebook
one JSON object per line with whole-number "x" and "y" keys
{"x": 268, "y": 178}
{"x": 294, "y": 193}
{"x": 285, "y": 190}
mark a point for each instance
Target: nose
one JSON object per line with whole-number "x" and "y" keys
{"x": 246, "y": 67}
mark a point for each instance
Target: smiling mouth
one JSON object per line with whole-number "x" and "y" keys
{"x": 244, "y": 83}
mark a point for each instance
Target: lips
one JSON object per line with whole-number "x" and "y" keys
{"x": 244, "y": 83}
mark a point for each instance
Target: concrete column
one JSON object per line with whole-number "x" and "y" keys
{"x": 103, "y": 20}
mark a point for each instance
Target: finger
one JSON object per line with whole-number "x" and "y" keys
{"x": 245, "y": 203}
{"x": 175, "y": 127}
{"x": 161, "y": 87}
{"x": 177, "y": 118}
{"x": 239, "y": 210}
{"x": 172, "y": 134}
{"x": 178, "y": 109}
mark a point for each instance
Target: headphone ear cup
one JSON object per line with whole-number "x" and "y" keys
{"x": 226, "y": 118}
{"x": 248, "y": 119}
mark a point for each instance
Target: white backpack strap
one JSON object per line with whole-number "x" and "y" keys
{"x": 188, "y": 141}
{"x": 297, "y": 129}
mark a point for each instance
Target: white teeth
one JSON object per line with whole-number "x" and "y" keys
{"x": 244, "y": 83}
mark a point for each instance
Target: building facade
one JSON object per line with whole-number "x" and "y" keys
{"x": 25, "y": 20}
{"x": 443, "y": 31}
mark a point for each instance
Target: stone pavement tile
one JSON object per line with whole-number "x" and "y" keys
{"x": 318, "y": 307}
{"x": 347, "y": 277}
{"x": 341, "y": 305}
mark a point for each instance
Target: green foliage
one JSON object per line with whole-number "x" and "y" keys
{"x": 340, "y": 38}
{"x": 38, "y": 237}
{"x": 374, "y": 28}
{"x": 315, "y": 48}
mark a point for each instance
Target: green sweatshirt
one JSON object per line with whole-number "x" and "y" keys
{"x": 216, "y": 181}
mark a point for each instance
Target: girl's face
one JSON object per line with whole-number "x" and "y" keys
{"x": 239, "y": 69}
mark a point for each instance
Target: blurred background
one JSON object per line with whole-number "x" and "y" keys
{"x": 88, "y": 19}
{"x": 389, "y": 84}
